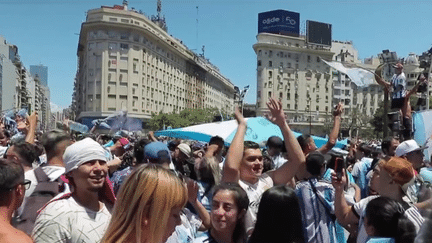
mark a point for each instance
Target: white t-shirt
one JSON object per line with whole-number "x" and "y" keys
{"x": 278, "y": 161}
{"x": 66, "y": 221}
{"x": 254, "y": 192}
{"x": 411, "y": 213}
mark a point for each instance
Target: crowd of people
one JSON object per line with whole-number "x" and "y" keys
{"x": 59, "y": 187}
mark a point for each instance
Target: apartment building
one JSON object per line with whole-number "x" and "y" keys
{"x": 291, "y": 70}
{"x": 127, "y": 61}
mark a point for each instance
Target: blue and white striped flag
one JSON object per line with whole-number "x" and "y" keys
{"x": 361, "y": 77}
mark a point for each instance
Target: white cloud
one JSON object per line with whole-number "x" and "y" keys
{"x": 55, "y": 108}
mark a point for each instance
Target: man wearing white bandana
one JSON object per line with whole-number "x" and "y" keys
{"x": 83, "y": 215}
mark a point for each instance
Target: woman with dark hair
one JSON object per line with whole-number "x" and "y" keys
{"x": 385, "y": 222}
{"x": 279, "y": 218}
{"x": 229, "y": 206}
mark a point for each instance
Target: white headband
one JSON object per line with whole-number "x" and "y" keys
{"x": 81, "y": 152}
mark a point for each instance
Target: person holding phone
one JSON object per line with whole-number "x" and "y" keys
{"x": 316, "y": 197}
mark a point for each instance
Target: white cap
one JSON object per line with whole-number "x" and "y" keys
{"x": 184, "y": 148}
{"x": 408, "y": 146}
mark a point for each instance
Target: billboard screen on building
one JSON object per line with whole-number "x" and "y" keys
{"x": 318, "y": 33}
{"x": 279, "y": 22}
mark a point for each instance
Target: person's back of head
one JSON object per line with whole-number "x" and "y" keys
{"x": 209, "y": 171}
{"x": 144, "y": 205}
{"x": 385, "y": 218}
{"x": 275, "y": 145}
{"x": 315, "y": 162}
{"x": 216, "y": 140}
{"x": 279, "y": 217}
{"x": 303, "y": 141}
{"x": 138, "y": 150}
{"x": 55, "y": 143}
{"x": 25, "y": 152}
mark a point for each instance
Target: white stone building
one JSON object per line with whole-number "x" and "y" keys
{"x": 291, "y": 70}
{"x": 128, "y": 62}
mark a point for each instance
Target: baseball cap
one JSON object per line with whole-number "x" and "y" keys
{"x": 400, "y": 170}
{"x": 185, "y": 149}
{"x": 398, "y": 65}
{"x": 157, "y": 151}
{"x": 408, "y": 146}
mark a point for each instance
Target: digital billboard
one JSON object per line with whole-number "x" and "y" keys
{"x": 318, "y": 33}
{"x": 279, "y": 22}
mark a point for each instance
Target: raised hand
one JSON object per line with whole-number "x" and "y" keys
{"x": 338, "y": 109}
{"x": 277, "y": 115}
{"x": 192, "y": 187}
{"x": 239, "y": 116}
{"x": 339, "y": 184}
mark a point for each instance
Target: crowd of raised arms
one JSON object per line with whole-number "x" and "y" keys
{"x": 58, "y": 186}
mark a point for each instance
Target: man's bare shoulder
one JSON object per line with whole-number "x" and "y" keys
{"x": 14, "y": 235}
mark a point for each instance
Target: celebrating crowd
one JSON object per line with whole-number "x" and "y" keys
{"x": 58, "y": 187}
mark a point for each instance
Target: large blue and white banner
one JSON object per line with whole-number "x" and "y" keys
{"x": 423, "y": 131}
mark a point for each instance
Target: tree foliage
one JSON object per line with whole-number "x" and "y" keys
{"x": 184, "y": 118}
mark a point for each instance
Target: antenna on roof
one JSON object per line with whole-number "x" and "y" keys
{"x": 197, "y": 28}
{"x": 159, "y": 8}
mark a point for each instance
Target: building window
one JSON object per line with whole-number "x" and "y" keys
{"x": 288, "y": 96}
{"x": 270, "y": 74}
{"x": 269, "y": 94}
{"x": 270, "y": 63}
{"x": 124, "y": 46}
{"x": 280, "y": 95}
{"x": 270, "y": 53}
{"x": 259, "y": 94}
{"x": 259, "y": 63}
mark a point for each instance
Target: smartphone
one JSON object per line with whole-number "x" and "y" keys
{"x": 339, "y": 166}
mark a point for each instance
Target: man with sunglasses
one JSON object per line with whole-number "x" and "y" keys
{"x": 12, "y": 190}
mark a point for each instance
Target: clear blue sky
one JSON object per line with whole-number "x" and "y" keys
{"x": 45, "y": 31}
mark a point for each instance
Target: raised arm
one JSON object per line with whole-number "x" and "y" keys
{"x": 414, "y": 89}
{"x": 231, "y": 169}
{"x": 31, "y": 133}
{"x": 337, "y": 117}
{"x": 344, "y": 213}
{"x": 294, "y": 153}
{"x": 192, "y": 187}
{"x": 152, "y": 137}
{"x": 379, "y": 78}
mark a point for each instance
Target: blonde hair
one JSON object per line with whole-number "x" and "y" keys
{"x": 149, "y": 193}
{"x": 209, "y": 170}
